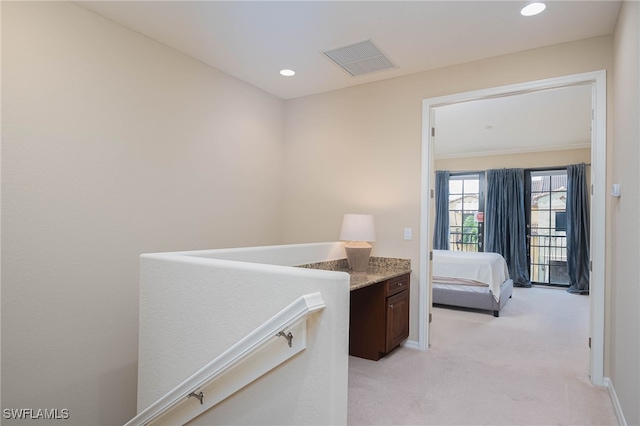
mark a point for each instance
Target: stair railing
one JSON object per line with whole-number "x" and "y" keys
{"x": 274, "y": 342}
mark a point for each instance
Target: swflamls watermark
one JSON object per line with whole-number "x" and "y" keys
{"x": 36, "y": 413}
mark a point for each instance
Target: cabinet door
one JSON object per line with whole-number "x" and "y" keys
{"x": 397, "y": 319}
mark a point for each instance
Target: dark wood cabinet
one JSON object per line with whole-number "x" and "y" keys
{"x": 379, "y": 318}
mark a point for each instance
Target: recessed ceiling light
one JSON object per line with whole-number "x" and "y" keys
{"x": 533, "y": 9}
{"x": 287, "y": 73}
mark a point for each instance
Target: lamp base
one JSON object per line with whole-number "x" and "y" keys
{"x": 358, "y": 256}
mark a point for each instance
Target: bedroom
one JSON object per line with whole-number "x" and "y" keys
{"x": 541, "y": 133}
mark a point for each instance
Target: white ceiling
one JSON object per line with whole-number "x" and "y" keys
{"x": 539, "y": 121}
{"x": 254, "y": 40}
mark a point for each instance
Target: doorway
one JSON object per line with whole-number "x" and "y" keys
{"x": 597, "y": 82}
{"x": 546, "y": 217}
{"x": 466, "y": 211}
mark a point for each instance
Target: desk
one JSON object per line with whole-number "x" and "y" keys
{"x": 379, "y": 310}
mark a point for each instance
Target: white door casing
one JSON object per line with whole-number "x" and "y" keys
{"x": 597, "y": 80}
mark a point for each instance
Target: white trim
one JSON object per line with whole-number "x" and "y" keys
{"x": 616, "y": 403}
{"x": 424, "y": 303}
{"x": 546, "y": 148}
{"x": 411, "y": 344}
{"x": 597, "y": 80}
{"x": 175, "y": 408}
{"x": 598, "y": 225}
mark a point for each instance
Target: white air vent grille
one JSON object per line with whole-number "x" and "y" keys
{"x": 360, "y": 58}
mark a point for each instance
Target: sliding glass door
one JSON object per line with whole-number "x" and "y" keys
{"x": 466, "y": 211}
{"x": 546, "y": 226}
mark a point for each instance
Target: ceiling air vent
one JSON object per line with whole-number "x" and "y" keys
{"x": 360, "y": 58}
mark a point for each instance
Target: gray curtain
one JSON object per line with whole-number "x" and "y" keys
{"x": 505, "y": 222}
{"x": 577, "y": 229}
{"x": 441, "y": 228}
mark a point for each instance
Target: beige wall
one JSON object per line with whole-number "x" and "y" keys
{"x": 522, "y": 160}
{"x": 358, "y": 150}
{"x": 112, "y": 145}
{"x": 625, "y": 235}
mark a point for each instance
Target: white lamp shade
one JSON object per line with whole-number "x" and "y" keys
{"x": 358, "y": 227}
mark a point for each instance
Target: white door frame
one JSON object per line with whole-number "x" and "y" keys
{"x": 597, "y": 80}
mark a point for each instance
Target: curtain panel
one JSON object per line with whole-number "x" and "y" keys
{"x": 505, "y": 221}
{"x": 577, "y": 229}
{"x": 441, "y": 227}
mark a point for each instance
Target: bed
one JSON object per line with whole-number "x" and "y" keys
{"x": 471, "y": 280}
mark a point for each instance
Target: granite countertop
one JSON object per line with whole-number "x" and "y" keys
{"x": 379, "y": 269}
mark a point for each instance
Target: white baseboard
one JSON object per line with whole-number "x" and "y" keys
{"x": 614, "y": 399}
{"x": 411, "y": 344}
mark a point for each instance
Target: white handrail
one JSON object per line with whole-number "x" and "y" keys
{"x": 290, "y": 319}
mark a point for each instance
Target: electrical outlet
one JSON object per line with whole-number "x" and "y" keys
{"x": 407, "y": 233}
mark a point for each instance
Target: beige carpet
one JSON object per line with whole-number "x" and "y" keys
{"x": 528, "y": 367}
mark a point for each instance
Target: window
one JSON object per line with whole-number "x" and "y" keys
{"x": 547, "y": 225}
{"x": 466, "y": 211}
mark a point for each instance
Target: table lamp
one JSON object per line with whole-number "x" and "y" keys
{"x": 358, "y": 230}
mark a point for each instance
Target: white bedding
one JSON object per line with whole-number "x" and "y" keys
{"x": 488, "y": 268}
{"x": 469, "y": 288}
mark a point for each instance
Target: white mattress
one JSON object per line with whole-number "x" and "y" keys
{"x": 486, "y": 268}
{"x": 470, "y": 288}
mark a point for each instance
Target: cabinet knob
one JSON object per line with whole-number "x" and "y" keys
{"x": 399, "y": 284}
{"x": 391, "y": 306}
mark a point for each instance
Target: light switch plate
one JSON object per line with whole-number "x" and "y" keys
{"x": 615, "y": 190}
{"x": 407, "y": 233}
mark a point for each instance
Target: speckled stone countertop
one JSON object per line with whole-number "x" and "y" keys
{"x": 379, "y": 269}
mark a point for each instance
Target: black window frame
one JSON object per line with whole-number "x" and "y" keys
{"x": 480, "y": 175}
{"x": 527, "y": 201}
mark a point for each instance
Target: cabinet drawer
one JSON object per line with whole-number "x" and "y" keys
{"x": 397, "y": 284}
